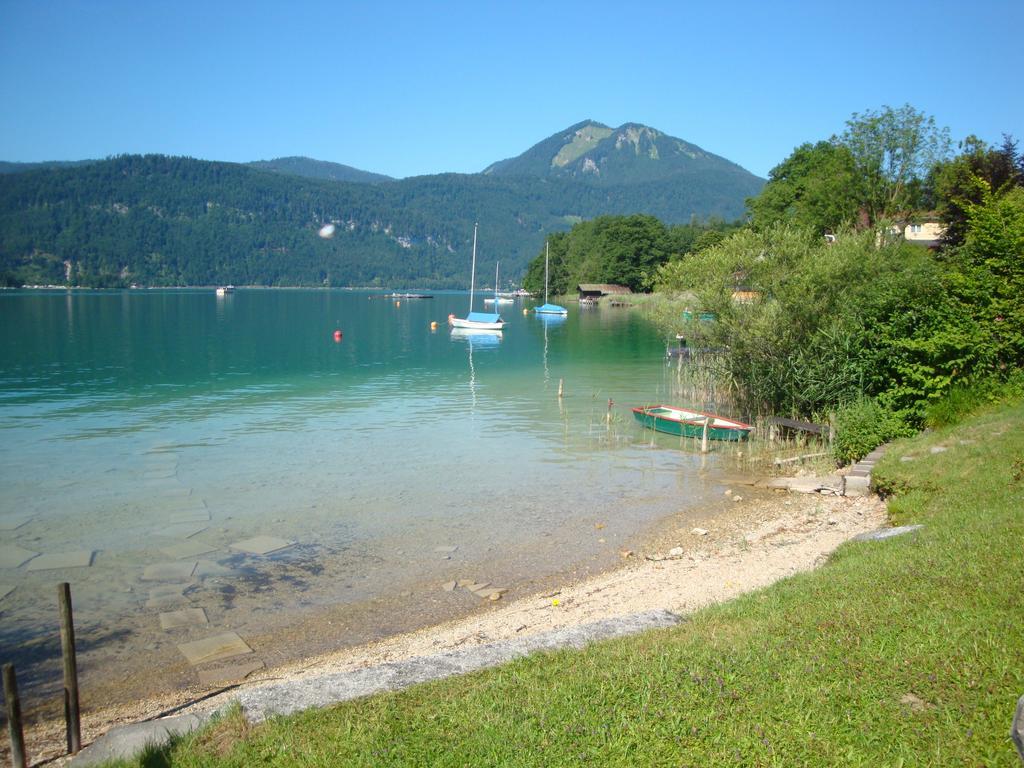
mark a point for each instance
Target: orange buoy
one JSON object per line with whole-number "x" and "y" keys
{"x": 433, "y": 325}
{"x": 337, "y": 335}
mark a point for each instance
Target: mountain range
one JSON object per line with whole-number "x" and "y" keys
{"x": 157, "y": 220}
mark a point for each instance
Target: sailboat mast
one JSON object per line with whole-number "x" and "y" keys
{"x": 547, "y": 252}
{"x": 472, "y": 273}
{"x": 496, "y": 265}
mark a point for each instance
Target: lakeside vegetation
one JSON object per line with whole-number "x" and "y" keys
{"x": 823, "y": 310}
{"x": 897, "y": 652}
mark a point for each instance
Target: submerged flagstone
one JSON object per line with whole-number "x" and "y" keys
{"x": 55, "y": 560}
{"x": 262, "y": 545}
{"x": 214, "y": 648}
{"x": 12, "y": 556}
{"x": 168, "y": 571}
{"x": 186, "y": 617}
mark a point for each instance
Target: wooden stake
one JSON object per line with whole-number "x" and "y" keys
{"x": 560, "y": 382}
{"x": 72, "y": 718}
{"x": 704, "y": 436}
{"x": 14, "y": 718}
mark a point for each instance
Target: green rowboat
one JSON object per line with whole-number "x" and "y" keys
{"x": 683, "y": 423}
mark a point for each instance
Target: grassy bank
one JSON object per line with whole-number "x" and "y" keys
{"x": 900, "y": 652}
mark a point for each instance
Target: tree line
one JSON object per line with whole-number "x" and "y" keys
{"x": 623, "y": 250}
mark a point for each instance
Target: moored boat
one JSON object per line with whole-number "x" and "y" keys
{"x": 686, "y": 423}
{"x": 481, "y": 321}
{"x": 545, "y": 308}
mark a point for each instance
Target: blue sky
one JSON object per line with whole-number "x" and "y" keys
{"x": 418, "y": 87}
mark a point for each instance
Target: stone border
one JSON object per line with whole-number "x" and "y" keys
{"x": 857, "y": 482}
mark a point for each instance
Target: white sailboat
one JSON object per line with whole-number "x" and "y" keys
{"x": 498, "y": 298}
{"x": 545, "y": 308}
{"x": 480, "y": 321}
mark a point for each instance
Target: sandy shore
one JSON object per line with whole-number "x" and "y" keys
{"x": 756, "y": 538}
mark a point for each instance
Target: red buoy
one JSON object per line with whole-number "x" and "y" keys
{"x": 337, "y": 335}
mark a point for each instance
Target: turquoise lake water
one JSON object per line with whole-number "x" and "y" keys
{"x": 154, "y": 430}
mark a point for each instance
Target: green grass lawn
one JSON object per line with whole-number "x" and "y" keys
{"x": 908, "y": 651}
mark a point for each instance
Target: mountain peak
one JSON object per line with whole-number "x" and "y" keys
{"x": 595, "y": 152}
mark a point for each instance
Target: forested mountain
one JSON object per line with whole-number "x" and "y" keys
{"x": 318, "y": 169}
{"x": 6, "y": 167}
{"x": 156, "y": 220}
{"x": 630, "y": 154}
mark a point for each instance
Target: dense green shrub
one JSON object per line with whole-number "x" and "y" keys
{"x": 966, "y": 398}
{"x": 861, "y": 426}
{"x": 819, "y": 324}
{"x": 960, "y": 401}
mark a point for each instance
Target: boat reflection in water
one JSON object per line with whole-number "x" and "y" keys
{"x": 549, "y": 321}
{"x": 475, "y": 338}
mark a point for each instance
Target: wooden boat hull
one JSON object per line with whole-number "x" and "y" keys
{"x": 683, "y": 423}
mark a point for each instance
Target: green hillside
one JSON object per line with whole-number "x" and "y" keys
{"x": 8, "y": 167}
{"x": 157, "y": 220}
{"x": 318, "y": 169}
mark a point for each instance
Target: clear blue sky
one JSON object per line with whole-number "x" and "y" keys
{"x": 409, "y": 88}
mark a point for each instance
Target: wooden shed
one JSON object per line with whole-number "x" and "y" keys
{"x": 594, "y": 291}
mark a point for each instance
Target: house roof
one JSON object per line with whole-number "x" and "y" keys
{"x": 602, "y": 288}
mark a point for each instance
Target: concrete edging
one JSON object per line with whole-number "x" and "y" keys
{"x": 857, "y": 482}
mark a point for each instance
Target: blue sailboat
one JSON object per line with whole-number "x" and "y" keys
{"x": 545, "y": 308}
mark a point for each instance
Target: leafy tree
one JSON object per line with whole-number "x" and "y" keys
{"x": 816, "y": 187}
{"x": 893, "y": 151}
{"x": 624, "y": 250}
{"x": 876, "y": 170}
{"x": 965, "y": 181}
{"x": 994, "y": 245}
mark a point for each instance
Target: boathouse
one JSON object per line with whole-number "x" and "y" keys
{"x": 594, "y": 291}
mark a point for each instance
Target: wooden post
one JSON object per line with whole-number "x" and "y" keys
{"x": 560, "y": 382}
{"x": 72, "y": 719}
{"x": 14, "y": 718}
{"x": 704, "y": 436}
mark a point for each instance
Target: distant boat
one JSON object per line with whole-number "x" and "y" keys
{"x": 684, "y": 423}
{"x": 545, "y": 308}
{"x": 225, "y": 289}
{"x": 481, "y": 321}
{"x": 397, "y": 295}
{"x": 499, "y": 298}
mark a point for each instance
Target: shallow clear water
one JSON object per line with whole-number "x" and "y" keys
{"x": 128, "y": 418}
